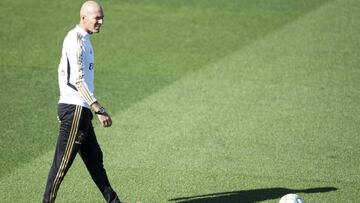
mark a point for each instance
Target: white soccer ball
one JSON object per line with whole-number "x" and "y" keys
{"x": 291, "y": 198}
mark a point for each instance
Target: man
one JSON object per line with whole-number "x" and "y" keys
{"x": 76, "y": 75}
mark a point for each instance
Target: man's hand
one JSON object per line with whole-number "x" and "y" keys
{"x": 105, "y": 120}
{"x": 103, "y": 117}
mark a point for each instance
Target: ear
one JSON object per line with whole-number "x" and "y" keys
{"x": 83, "y": 17}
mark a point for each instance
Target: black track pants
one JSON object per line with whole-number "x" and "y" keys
{"x": 77, "y": 135}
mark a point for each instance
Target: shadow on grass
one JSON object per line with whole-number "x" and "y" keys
{"x": 248, "y": 196}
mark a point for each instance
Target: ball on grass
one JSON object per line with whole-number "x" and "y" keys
{"x": 291, "y": 198}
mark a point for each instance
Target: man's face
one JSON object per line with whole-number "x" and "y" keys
{"x": 94, "y": 21}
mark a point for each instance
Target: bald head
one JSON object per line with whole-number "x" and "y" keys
{"x": 89, "y": 7}
{"x": 91, "y": 16}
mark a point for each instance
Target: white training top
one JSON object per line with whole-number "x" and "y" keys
{"x": 76, "y": 69}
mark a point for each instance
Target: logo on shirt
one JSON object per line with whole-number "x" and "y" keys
{"x": 91, "y": 66}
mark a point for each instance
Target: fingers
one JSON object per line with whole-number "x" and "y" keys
{"x": 107, "y": 122}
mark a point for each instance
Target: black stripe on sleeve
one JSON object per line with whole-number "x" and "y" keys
{"x": 68, "y": 75}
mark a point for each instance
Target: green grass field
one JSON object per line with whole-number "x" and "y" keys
{"x": 232, "y": 101}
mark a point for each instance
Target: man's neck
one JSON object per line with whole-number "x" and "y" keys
{"x": 83, "y": 27}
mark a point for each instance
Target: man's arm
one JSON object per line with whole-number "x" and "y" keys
{"x": 83, "y": 89}
{"x": 80, "y": 84}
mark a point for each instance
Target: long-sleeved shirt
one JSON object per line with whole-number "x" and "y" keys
{"x": 76, "y": 69}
